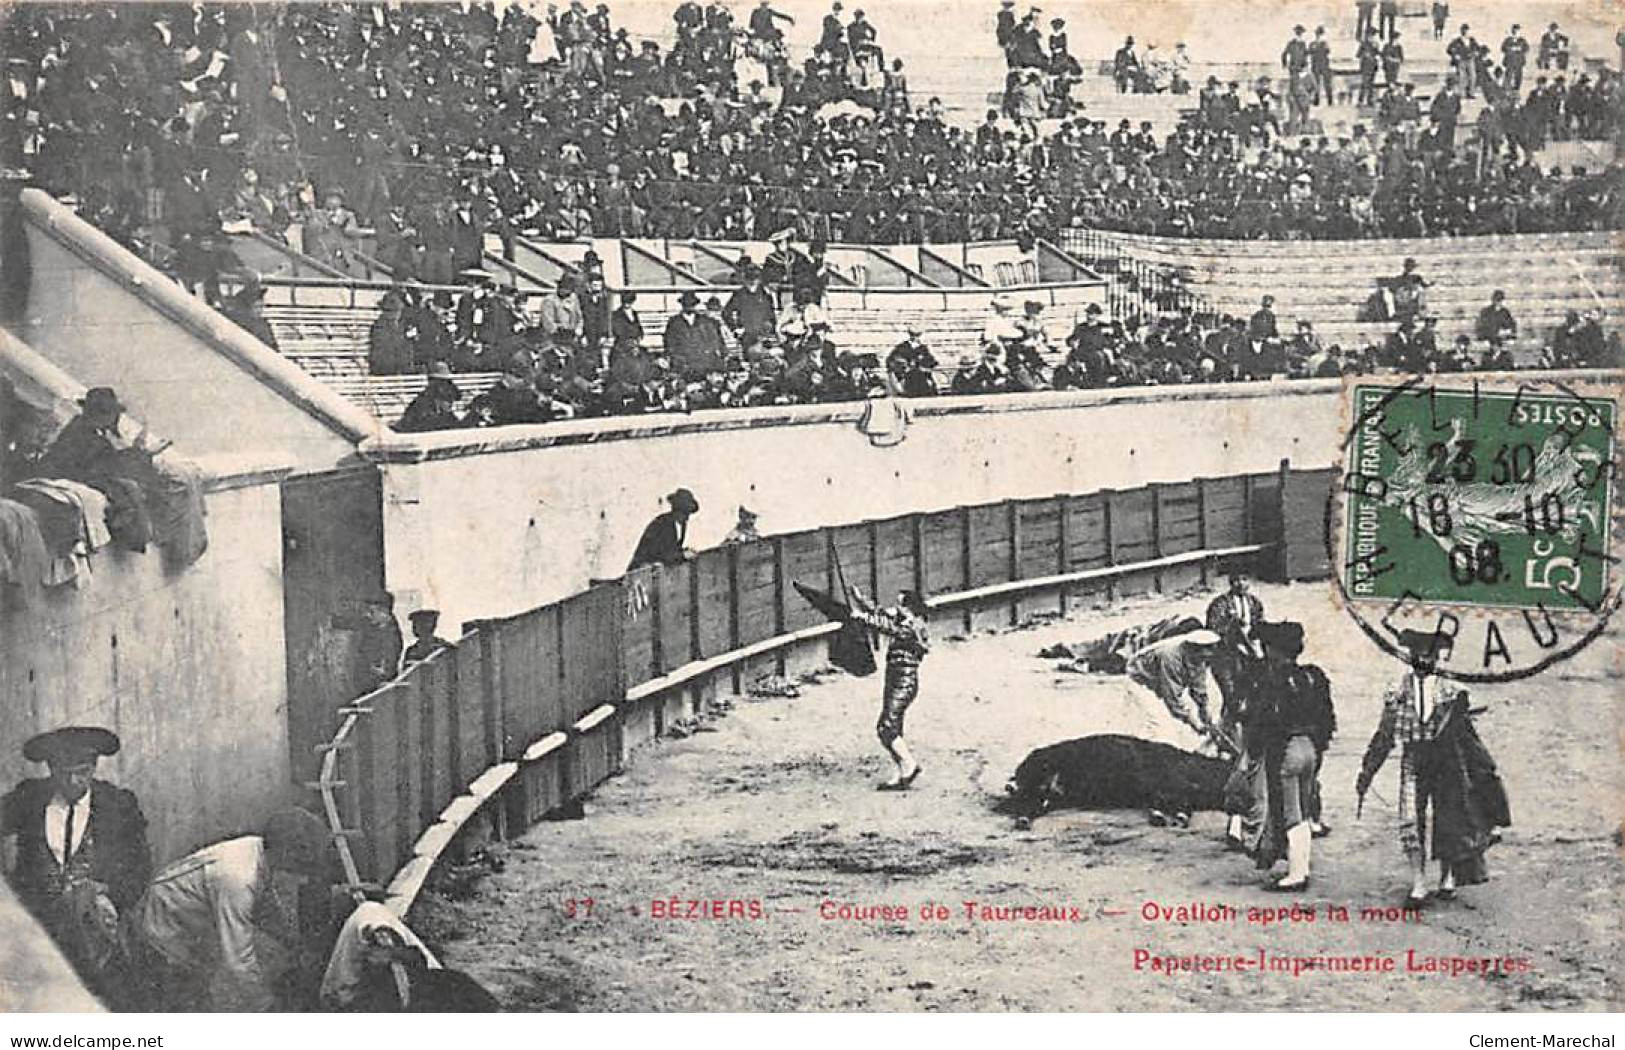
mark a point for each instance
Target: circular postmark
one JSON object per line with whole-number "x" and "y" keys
{"x": 1471, "y": 521}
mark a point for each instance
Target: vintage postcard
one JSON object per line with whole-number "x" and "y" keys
{"x": 797, "y": 506}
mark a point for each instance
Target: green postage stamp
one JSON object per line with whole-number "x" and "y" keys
{"x": 1465, "y": 508}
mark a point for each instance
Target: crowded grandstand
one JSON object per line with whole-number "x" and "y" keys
{"x": 325, "y": 128}
{"x": 325, "y": 247}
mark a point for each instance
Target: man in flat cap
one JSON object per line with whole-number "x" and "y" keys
{"x": 663, "y": 537}
{"x": 425, "y": 643}
{"x": 219, "y": 927}
{"x": 81, "y": 849}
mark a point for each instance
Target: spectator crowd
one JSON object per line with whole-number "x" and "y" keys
{"x": 408, "y": 137}
{"x": 580, "y": 352}
{"x": 429, "y": 126}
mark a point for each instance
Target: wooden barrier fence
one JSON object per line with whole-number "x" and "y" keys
{"x": 536, "y": 710}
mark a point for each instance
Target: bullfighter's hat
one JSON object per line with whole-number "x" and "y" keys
{"x": 71, "y": 742}
{"x": 1283, "y": 638}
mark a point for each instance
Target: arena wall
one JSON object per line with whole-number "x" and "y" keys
{"x": 482, "y": 525}
{"x": 187, "y": 666}
{"x": 109, "y": 319}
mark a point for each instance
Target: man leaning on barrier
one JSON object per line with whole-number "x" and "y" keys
{"x": 232, "y": 926}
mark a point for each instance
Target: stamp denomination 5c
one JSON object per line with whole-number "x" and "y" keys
{"x": 1481, "y": 514}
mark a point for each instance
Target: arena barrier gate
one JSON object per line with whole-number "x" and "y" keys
{"x": 527, "y": 714}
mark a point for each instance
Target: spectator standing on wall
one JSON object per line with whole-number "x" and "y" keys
{"x": 663, "y": 539}
{"x": 1320, "y": 67}
{"x": 1362, "y": 18}
{"x": 1369, "y": 58}
{"x": 1554, "y": 49}
{"x": 1514, "y": 55}
{"x": 1463, "y": 52}
{"x": 1393, "y": 57}
{"x": 1126, "y": 67}
{"x": 1295, "y": 56}
{"x": 1441, "y": 18}
{"x": 1388, "y": 18}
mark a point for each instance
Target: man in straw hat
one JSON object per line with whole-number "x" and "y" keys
{"x": 81, "y": 848}
{"x": 220, "y": 926}
{"x": 662, "y": 542}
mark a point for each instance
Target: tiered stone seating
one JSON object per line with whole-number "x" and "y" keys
{"x": 949, "y": 333}
{"x": 386, "y": 397}
{"x": 321, "y": 329}
{"x": 1329, "y": 283}
{"x": 330, "y": 343}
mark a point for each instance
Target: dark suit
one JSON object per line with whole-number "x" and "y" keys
{"x": 661, "y": 542}
{"x": 117, "y": 840}
{"x": 111, "y": 850}
{"x": 694, "y": 344}
{"x": 625, "y": 329}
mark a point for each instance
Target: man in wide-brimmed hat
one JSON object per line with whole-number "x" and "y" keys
{"x": 435, "y": 406}
{"x": 86, "y": 448}
{"x": 663, "y": 538}
{"x": 81, "y": 848}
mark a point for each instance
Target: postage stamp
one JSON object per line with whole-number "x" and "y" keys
{"x": 1482, "y": 514}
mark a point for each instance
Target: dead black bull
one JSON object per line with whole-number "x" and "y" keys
{"x": 1114, "y": 772}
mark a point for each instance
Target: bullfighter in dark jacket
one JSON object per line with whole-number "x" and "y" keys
{"x": 1290, "y": 722}
{"x": 82, "y": 857}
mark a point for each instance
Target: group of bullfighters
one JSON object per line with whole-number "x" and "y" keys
{"x": 1275, "y": 722}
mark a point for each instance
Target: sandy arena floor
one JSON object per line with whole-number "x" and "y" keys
{"x": 775, "y": 802}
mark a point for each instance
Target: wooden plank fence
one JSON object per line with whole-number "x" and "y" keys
{"x": 538, "y": 709}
